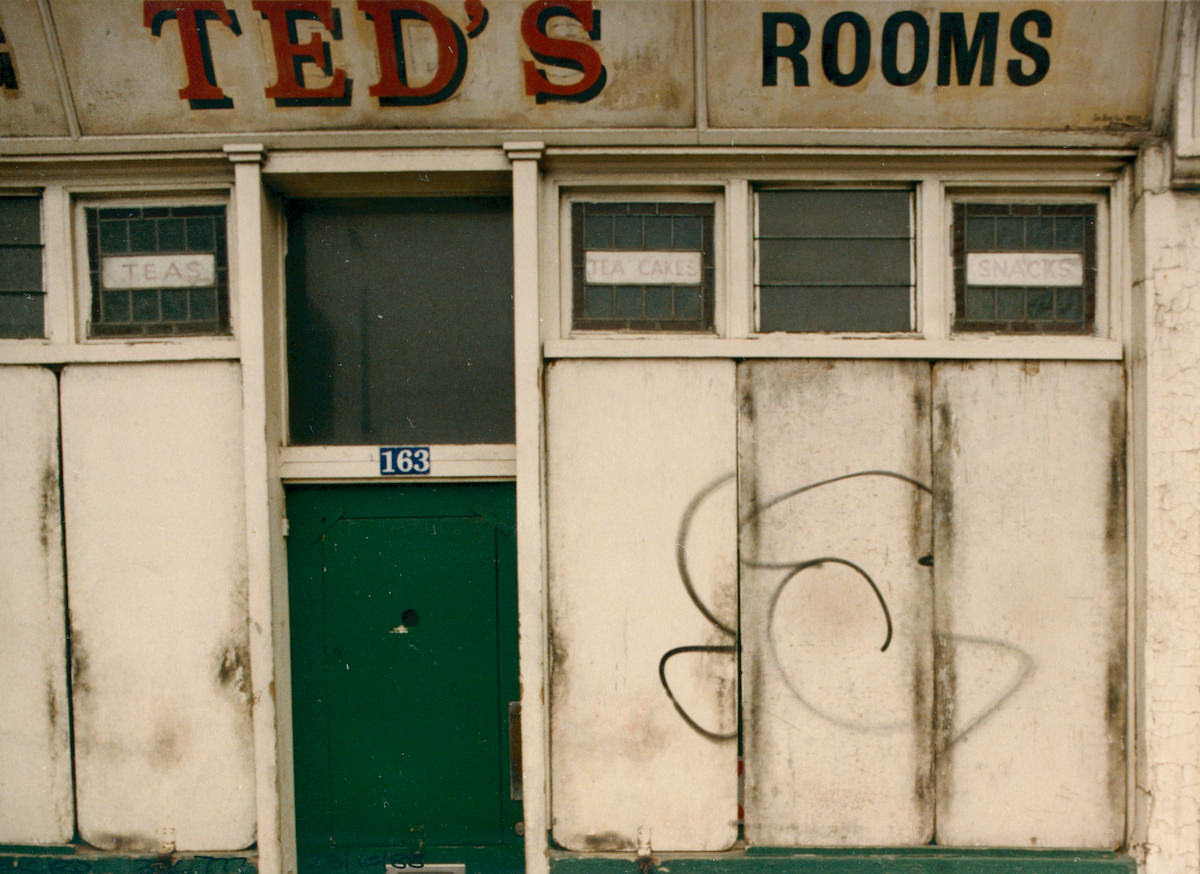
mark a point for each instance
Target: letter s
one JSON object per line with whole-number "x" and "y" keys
{"x": 1023, "y": 44}
{"x": 569, "y": 53}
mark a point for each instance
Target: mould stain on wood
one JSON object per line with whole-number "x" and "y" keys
{"x": 753, "y": 735}
{"x": 80, "y": 678}
{"x": 48, "y": 513}
{"x": 922, "y": 730}
{"x": 166, "y": 747}
{"x": 747, "y": 465}
{"x": 919, "y": 529}
{"x": 1116, "y": 676}
{"x": 51, "y": 689}
{"x": 610, "y": 842}
{"x": 945, "y": 683}
{"x": 1115, "y": 721}
{"x": 944, "y": 676}
{"x": 127, "y": 843}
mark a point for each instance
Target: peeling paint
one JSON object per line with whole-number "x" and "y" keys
{"x": 233, "y": 669}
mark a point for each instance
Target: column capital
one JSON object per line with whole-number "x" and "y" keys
{"x": 524, "y": 151}
{"x": 242, "y": 153}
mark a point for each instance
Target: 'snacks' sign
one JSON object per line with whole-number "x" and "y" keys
{"x": 159, "y": 66}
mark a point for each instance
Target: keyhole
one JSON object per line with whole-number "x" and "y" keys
{"x": 409, "y": 618}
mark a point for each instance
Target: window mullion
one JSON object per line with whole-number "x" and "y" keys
{"x": 933, "y": 300}
{"x": 57, "y": 279}
{"x": 739, "y": 284}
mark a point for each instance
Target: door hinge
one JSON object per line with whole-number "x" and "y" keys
{"x": 285, "y": 526}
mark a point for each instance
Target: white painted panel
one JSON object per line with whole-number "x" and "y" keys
{"x": 641, "y": 458}
{"x": 36, "y": 803}
{"x": 837, "y": 729}
{"x": 152, "y": 470}
{"x": 1030, "y": 587}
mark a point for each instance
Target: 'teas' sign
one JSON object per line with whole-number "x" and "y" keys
{"x": 158, "y": 271}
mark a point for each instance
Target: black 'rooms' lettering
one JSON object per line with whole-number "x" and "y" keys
{"x": 964, "y": 56}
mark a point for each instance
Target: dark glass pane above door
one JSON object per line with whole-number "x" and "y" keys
{"x": 400, "y": 323}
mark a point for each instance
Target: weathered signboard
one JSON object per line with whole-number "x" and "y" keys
{"x": 182, "y": 66}
{"x": 997, "y": 65}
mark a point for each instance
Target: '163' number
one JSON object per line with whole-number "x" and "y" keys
{"x": 403, "y": 460}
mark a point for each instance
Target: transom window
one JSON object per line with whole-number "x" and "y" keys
{"x": 834, "y": 260}
{"x": 1025, "y": 267}
{"x": 157, "y": 269}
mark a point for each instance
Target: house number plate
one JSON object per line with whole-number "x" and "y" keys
{"x": 403, "y": 460}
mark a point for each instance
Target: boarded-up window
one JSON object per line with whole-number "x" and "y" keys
{"x": 834, "y": 260}
{"x": 400, "y": 325}
{"x": 918, "y": 568}
{"x": 22, "y": 298}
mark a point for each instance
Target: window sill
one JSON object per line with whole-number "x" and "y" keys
{"x": 833, "y": 346}
{"x": 110, "y": 351}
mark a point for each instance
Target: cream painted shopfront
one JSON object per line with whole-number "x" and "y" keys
{"x": 598, "y": 435}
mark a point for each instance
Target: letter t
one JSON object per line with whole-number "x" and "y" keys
{"x": 202, "y": 91}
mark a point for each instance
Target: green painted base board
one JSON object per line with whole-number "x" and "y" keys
{"x": 66, "y": 860}
{"x": 861, "y": 861}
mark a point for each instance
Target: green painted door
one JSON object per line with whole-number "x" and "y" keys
{"x": 404, "y": 663}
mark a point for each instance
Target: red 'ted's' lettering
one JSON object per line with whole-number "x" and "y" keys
{"x": 202, "y": 91}
{"x": 393, "y": 88}
{"x": 289, "y": 88}
{"x": 569, "y": 53}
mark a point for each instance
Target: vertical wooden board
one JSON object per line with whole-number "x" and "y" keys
{"x": 36, "y": 802}
{"x": 837, "y": 729}
{"x": 640, "y": 492}
{"x": 1029, "y": 464}
{"x": 155, "y": 520}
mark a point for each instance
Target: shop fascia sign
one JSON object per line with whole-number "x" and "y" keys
{"x": 948, "y": 46}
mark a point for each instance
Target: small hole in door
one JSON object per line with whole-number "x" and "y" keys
{"x": 409, "y": 618}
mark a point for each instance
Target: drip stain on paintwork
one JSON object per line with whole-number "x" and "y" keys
{"x": 52, "y": 709}
{"x": 922, "y": 736}
{"x": 166, "y": 747}
{"x": 945, "y": 687}
{"x": 1114, "y": 531}
{"x": 122, "y": 843}
{"x": 1115, "y": 707}
{"x": 753, "y": 699}
{"x": 48, "y": 511}
{"x": 608, "y": 842}
{"x": 945, "y": 680}
{"x": 80, "y": 680}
